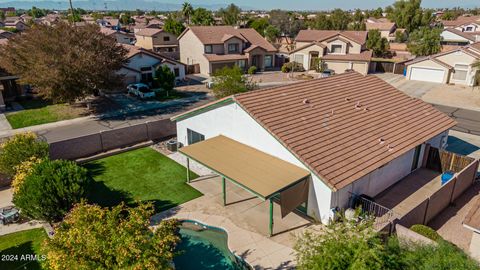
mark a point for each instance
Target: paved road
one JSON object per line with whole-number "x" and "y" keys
{"x": 468, "y": 120}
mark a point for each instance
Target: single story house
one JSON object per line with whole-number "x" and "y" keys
{"x": 210, "y": 48}
{"x": 454, "y": 66}
{"x": 452, "y": 36}
{"x": 337, "y": 50}
{"x": 120, "y": 36}
{"x": 463, "y": 23}
{"x": 316, "y": 141}
{"x": 142, "y": 64}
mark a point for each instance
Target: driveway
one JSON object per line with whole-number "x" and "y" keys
{"x": 457, "y": 96}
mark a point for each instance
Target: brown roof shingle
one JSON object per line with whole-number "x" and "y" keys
{"x": 363, "y": 56}
{"x": 148, "y": 32}
{"x": 319, "y": 122}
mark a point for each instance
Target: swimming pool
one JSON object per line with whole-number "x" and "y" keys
{"x": 205, "y": 247}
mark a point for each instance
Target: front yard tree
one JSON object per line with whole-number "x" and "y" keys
{"x": 425, "y": 41}
{"x": 165, "y": 78}
{"x": 376, "y": 43}
{"x": 272, "y": 33}
{"x": 64, "y": 63}
{"x": 51, "y": 189}
{"x": 18, "y": 149}
{"x": 229, "y": 81}
{"x": 92, "y": 237}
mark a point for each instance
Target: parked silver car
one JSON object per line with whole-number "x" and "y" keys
{"x": 140, "y": 90}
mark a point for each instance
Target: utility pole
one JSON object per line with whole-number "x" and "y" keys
{"x": 72, "y": 12}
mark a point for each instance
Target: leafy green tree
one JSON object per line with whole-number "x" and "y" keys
{"x": 126, "y": 19}
{"x": 18, "y": 149}
{"x": 409, "y": 14}
{"x": 92, "y": 237}
{"x": 187, "y": 11}
{"x": 201, "y": 16}
{"x": 2, "y": 15}
{"x": 339, "y": 19}
{"x": 377, "y": 43}
{"x": 322, "y": 22}
{"x": 51, "y": 189}
{"x": 358, "y": 21}
{"x": 36, "y": 12}
{"x": 449, "y": 15}
{"x": 343, "y": 245}
{"x": 229, "y": 81}
{"x": 425, "y": 41}
{"x": 173, "y": 26}
{"x": 286, "y": 22}
{"x": 272, "y": 33}
{"x": 165, "y": 78}
{"x": 230, "y": 15}
{"x": 400, "y": 37}
{"x": 377, "y": 13}
{"x": 64, "y": 63}
{"x": 260, "y": 25}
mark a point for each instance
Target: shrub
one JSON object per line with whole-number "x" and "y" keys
{"x": 18, "y": 149}
{"x": 252, "y": 70}
{"x": 297, "y": 67}
{"x": 51, "y": 189}
{"x": 23, "y": 170}
{"x": 229, "y": 81}
{"x": 164, "y": 78}
{"x": 92, "y": 237}
{"x": 426, "y": 231}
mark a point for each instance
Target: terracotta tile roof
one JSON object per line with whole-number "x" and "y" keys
{"x": 308, "y": 45}
{"x": 466, "y": 35}
{"x": 148, "y": 32}
{"x": 319, "y": 35}
{"x": 224, "y": 57}
{"x": 395, "y": 46}
{"x": 344, "y": 146}
{"x": 363, "y": 56}
{"x": 217, "y": 35}
{"x": 476, "y": 45}
{"x": 334, "y": 125}
{"x": 107, "y": 31}
{"x": 380, "y": 26}
{"x": 461, "y": 20}
{"x": 472, "y": 219}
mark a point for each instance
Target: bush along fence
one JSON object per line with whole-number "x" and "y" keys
{"x": 104, "y": 141}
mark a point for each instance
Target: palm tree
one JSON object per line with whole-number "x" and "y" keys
{"x": 187, "y": 11}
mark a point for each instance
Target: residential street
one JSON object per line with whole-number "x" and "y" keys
{"x": 468, "y": 120}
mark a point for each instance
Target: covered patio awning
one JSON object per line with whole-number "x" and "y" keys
{"x": 260, "y": 173}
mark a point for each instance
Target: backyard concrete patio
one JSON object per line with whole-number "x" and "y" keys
{"x": 409, "y": 192}
{"x": 246, "y": 220}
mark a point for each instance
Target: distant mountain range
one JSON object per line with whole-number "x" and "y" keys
{"x": 110, "y": 5}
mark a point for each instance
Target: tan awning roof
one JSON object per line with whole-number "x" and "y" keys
{"x": 259, "y": 172}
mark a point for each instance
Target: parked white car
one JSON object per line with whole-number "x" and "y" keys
{"x": 140, "y": 90}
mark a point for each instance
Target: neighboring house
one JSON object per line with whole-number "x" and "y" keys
{"x": 351, "y": 133}
{"x": 110, "y": 23}
{"x": 338, "y": 50}
{"x": 210, "y": 48}
{"x": 120, "y": 36}
{"x": 6, "y": 34}
{"x": 142, "y": 64}
{"x": 17, "y": 24}
{"x": 387, "y": 28}
{"x": 9, "y": 89}
{"x": 157, "y": 40}
{"x": 463, "y": 23}
{"x": 454, "y": 66}
{"x": 452, "y": 36}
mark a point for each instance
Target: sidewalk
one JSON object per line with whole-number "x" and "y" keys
{"x": 4, "y": 124}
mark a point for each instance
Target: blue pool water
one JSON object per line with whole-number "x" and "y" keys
{"x": 205, "y": 247}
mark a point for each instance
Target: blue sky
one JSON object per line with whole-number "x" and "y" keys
{"x": 330, "y": 4}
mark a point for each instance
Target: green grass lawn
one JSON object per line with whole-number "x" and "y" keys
{"x": 18, "y": 244}
{"x": 140, "y": 175}
{"x": 39, "y": 112}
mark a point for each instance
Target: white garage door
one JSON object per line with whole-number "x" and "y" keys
{"x": 427, "y": 74}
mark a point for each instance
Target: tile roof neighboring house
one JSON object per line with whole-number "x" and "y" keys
{"x": 107, "y": 31}
{"x": 475, "y": 46}
{"x": 308, "y": 45}
{"x": 359, "y": 37}
{"x": 363, "y": 56}
{"x": 134, "y": 50}
{"x": 466, "y": 35}
{"x": 217, "y": 35}
{"x": 224, "y": 57}
{"x": 471, "y": 49}
{"x": 345, "y": 126}
{"x": 380, "y": 26}
{"x": 472, "y": 219}
{"x": 149, "y": 32}
{"x": 379, "y": 20}
{"x": 461, "y": 20}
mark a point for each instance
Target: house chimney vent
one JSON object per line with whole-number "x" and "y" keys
{"x": 306, "y": 101}
{"x": 381, "y": 140}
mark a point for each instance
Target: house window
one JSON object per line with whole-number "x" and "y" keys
{"x": 208, "y": 49}
{"x": 469, "y": 29}
{"x": 145, "y": 68}
{"x": 298, "y": 58}
{"x": 233, "y": 48}
{"x": 461, "y": 72}
{"x": 268, "y": 61}
{"x": 166, "y": 38}
{"x": 176, "y": 71}
{"x": 241, "y": 64}
{"x": 194, "y": 137}
{"x": 147, "y": 77}
{"x": 336, "y": 48}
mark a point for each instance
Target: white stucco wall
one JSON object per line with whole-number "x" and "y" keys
{"x": 191, "y": 52}
{"x": 232, "y": 121}
{"x": 143, "y": 60}
{"x": 382, "y": 178}
{"x": 449, "y": 36}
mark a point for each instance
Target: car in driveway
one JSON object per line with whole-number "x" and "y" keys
{"x": 140, "y": 90}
